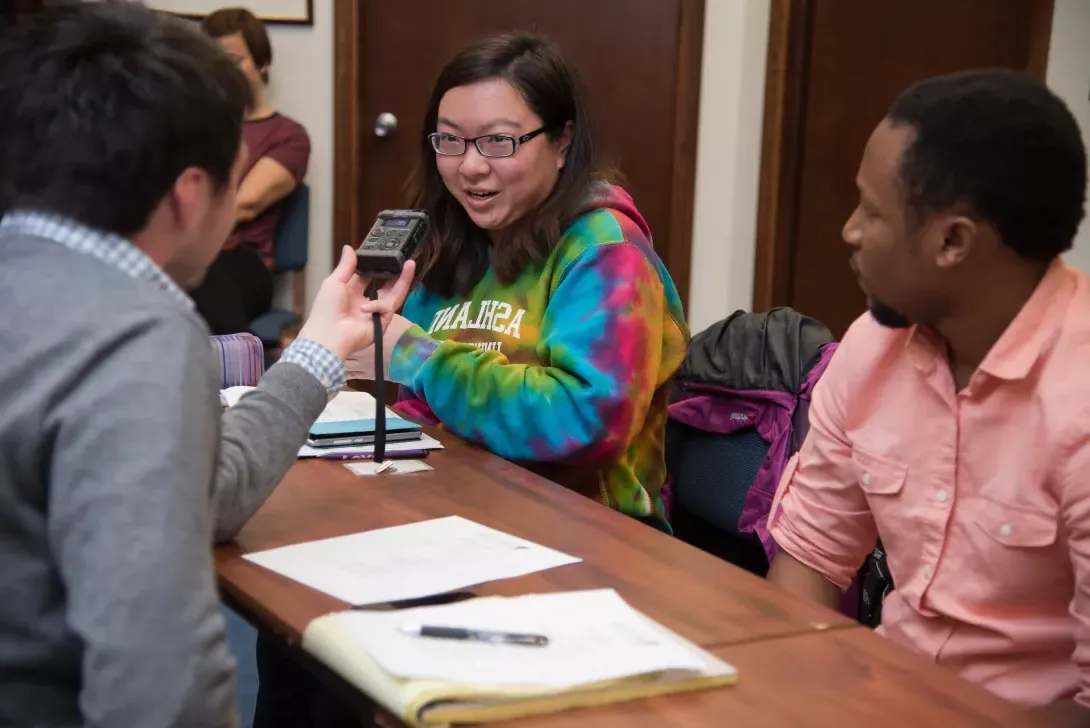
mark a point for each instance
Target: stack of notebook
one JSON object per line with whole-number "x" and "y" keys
{"x": 331, "y": 436}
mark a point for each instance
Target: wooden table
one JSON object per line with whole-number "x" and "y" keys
{"x": 701, "y": 597}
{"x": 799, "y": 664}
{"x": 847, "y": 678}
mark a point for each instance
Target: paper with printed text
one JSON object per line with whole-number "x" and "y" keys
{"x": 406, "y": 562}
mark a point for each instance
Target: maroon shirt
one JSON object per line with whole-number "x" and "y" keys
{"x": 284, "y": 140}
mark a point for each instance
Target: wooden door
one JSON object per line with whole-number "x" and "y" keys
{"x": 639, "y": 59}
{"x": 834, "y": 67}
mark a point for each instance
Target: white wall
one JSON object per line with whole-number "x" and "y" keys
{"x": 728, "y": 159}
{"x": 1069, "y": 76}
{"x": 301, "y": 86}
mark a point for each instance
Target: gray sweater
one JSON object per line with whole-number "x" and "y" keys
{"x": 117, "y": 470}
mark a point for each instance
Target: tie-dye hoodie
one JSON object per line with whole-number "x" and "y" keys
{"x": 566, "y": 369}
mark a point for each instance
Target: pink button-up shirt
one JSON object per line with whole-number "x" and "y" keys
{"x": 981, "y": 497}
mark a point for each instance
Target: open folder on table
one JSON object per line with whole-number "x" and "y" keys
{"x": 600, "y": 650}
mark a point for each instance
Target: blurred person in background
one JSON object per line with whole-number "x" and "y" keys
{"x": 239, "y": 285}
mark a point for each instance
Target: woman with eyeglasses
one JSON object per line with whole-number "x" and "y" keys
{"x": 543, "y": 325}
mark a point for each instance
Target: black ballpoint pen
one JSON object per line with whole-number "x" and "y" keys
{"x": 477, "y": 635}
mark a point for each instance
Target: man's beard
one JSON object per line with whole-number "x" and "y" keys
{"x": 888, "y": 317}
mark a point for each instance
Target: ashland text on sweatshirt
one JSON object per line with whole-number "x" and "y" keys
{"x": 567, "y": 369}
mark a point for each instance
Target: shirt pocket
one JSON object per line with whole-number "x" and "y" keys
{"x": 1014, "y": 556}
{"x": 878, "y": 475}
{"x": 1017, "y": 527}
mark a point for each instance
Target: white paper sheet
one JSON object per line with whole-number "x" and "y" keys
{"x": 393, "y": 467}
{"x": 406, "y": 562}
{"x": 229, "y": 397}
{"x": 346, "y": 405}
{"x": 349, "y": 405}
{"x": 593, "y": 636}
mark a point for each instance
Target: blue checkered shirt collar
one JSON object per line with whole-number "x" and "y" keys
{"x": 111, "y": 249}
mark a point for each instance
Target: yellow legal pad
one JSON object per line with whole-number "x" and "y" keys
{"x": 600, "y": 650}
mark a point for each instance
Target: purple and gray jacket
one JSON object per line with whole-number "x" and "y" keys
{"x": 755, "y": 370}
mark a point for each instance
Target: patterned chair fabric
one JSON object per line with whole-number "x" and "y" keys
{"x": 241, "y": 358}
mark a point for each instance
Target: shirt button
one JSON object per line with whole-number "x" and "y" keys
{"x": 866, "y": 478}
{"x": 942, "y": 496}
{"x": 927, "y": 572}
{"x": 1005, "y": 530}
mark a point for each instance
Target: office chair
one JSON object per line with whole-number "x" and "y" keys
{"x": 290, "y": 245}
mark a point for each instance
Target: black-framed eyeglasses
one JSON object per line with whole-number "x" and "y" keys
{"x": 489, "y": 145}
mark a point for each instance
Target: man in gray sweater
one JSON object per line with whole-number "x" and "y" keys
{"x": 120, "y": 154}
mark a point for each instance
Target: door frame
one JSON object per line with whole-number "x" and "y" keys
{"x": 782, "y": 140}
{"x": 674, "y": 245}
{"x": 346, "y": 124}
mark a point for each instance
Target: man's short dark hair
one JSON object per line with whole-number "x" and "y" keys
{"x": 232, "y": 21}
{"x": 1003, "y": 144}
{"x": 104, "y": 104}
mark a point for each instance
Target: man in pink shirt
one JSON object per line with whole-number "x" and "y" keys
{"x": 954, "y": 420}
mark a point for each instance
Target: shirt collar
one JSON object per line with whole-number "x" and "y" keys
{"x": 1024, "y": 340}
{"x": 114, "y": 250}
{"x": 1035, "y": 326}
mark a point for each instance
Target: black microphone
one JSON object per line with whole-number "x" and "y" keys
{"x": 383, "y": 253}
{"x": 380, "y": 386}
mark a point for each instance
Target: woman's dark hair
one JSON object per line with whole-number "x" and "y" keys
{"x": 232, "y": 21}
{"x": 455, "y": 254}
